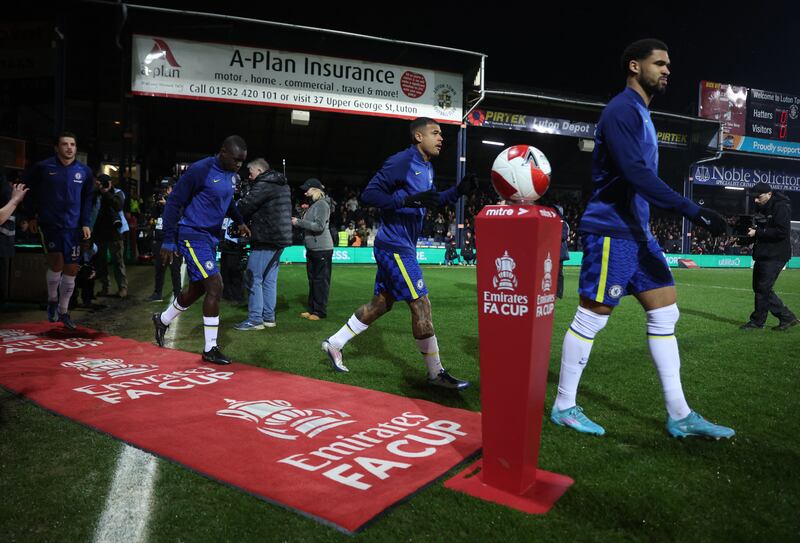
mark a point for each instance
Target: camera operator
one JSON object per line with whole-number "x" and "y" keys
{"x": 160, "y": 200}
{"x": 771, "y": 252}
{"x": 108, "y": 235}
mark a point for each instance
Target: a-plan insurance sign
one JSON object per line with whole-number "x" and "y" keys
{"x": 233, "y": 73}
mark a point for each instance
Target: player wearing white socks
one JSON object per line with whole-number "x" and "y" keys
{"x": 192, "y": 219}
{"x": 621, "y": 256}
{"x": 61, "y": 195}
{"x": 402, "y": 189}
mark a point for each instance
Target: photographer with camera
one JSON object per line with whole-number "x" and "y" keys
{"x": 771, "y": 252}
{"x": 108, "y": 235}
{"x": 160, "y": 200}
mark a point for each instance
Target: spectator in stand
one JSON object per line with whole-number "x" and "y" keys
{"x": 351, "y": 233}
{"x": 468, "y": 253}
{"x": 439, "y": 229}
{"x": 451, "y": 254}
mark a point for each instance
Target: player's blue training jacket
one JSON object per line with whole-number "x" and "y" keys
{"x": 625, "y": 173}
{"x": 402, "y": 174}
{"x": 205, "y": 193}
{"x": 62, "y": 195}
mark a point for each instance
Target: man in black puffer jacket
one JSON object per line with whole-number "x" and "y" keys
{"x": 267, "y": 209}
{"x": 771, "y": 252}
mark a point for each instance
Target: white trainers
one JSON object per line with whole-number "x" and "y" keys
{"x": 335, "y": 356}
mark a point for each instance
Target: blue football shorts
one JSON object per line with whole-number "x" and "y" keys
{"x": 613, "y": 268}
{"x": 66, "y": 241}
{"x": 399, "y": 275}
{"x": 200, "y": 254}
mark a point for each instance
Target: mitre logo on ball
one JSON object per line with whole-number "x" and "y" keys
{"x": 521, "y": 174}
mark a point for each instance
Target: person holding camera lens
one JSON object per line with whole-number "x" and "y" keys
{"x": 108, "y": 236}
{"x": 772, "y": 250}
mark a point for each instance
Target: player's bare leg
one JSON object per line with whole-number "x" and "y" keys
{"x": 428, "y": 345}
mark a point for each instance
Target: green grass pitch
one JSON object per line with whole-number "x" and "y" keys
{"x": 634, "y": 484}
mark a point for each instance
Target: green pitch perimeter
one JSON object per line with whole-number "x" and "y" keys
{"x": 634, "y": 484}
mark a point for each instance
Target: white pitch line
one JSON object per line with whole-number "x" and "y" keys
{"x": 126, "y": 515}
{"x": 127, "y": 511}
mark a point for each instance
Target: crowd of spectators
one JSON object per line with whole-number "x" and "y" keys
{"x": 356, "y": 225}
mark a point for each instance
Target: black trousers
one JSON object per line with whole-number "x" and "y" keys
{"x": 318, "y": 269}
{"x": 765, "y": 273}
{"x": 174, "y": 271}
{"x": 230, "y": 267}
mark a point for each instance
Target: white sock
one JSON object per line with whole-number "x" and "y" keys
{"x": 173, "y": 310}
{"x": 347, "y": 332}
{"x": 578, "y": 343}
{"x": 210, "y": 329}
{"x": 53, "y": 280}
{"x": 65, "y": 291}
{"x": 664, "y": 350}
{"x": 429, "y": 348}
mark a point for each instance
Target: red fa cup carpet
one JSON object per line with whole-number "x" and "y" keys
{"x": 336, "y": 453}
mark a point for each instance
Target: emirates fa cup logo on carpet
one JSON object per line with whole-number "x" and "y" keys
{"x": 98, "y": 369}
{"x": 280, "y": 419}
{"x": 547, "y": 280}
{"x": 10, "y": 336}
{"x": 505, "y": 279}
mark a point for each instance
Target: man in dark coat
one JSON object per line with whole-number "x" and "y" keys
{"x": 771, "y": 252}
{"x": 268, "y": 210}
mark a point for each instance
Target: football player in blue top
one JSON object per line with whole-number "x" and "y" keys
{"x": 192, "y": 222}
{"x": 61, "y": 191}
{"x": 621, "y": 256}
{"x": 402, "y": 190}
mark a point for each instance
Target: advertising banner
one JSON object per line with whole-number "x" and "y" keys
{"x": 724, "y": 103}
{"x": 176, "y": 68}
{"x": 729, "y": 176}
{"x": 363, "y": 255}
{"x": 557, "y": 127}
{"x": 360, "y": 255}
{"x": 753, "y": 120}
{"x": 529, "y": 123}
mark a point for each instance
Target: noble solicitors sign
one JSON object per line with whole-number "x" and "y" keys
{"x": 232, "y": 73}
{"x": 744, "y": 177}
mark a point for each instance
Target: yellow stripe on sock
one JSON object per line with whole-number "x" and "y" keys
{"x": 351, "y": 330}
{"x": 569, "y": 331}
{"x": 410, "y": 284}
{"x": 194, "y": 257}
{"x": 601, "y": 288}
{"x": 660, "y": 337}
